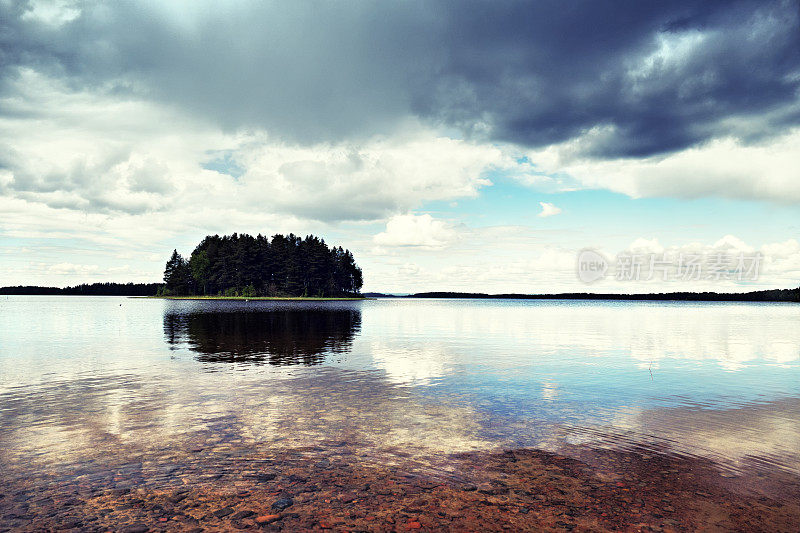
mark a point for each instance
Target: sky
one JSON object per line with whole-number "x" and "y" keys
{"x": 469, "y": 145}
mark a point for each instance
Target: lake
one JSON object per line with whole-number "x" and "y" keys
{"x": 90, "y": 384}
{"x": 80, "y": 373}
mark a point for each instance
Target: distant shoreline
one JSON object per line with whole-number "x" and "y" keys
{"x": 267, "y": 298}
{"x": 776, "y": 295}
{"x": 144, "y": 290}
{"x": 149, "y": 290}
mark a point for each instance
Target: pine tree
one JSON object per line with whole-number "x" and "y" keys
{"x": 177, "y": 276}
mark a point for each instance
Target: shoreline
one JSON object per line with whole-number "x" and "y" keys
{"x": 791, "y": 296}
{"x": 763, "y": 296}
{"x": 334, "y": 489}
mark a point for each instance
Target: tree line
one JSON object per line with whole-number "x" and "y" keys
{"x": 243, "y": 265}
{"x": 88, "y": 289}
{"x": 769, "y": 295}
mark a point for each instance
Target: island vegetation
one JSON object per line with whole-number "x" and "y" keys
{"x": 240, "y": 265}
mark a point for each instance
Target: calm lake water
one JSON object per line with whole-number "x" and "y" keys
{"x": 85, "y": 382}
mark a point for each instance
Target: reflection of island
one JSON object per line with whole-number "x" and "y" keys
{"x": 275, "y": 337}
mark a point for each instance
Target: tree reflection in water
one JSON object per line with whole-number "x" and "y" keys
{"x": 277, "y": 337}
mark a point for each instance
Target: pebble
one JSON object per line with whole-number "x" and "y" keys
{"x": 135, "y": 528}
{"x": 488, "y": 488}
{"x": 282, "y": 503}
{"x": 267, "y": 518}
{"x": 222, "y": 513}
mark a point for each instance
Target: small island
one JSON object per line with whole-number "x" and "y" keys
{"x": 243, "y": 266}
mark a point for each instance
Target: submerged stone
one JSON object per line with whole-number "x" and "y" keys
{"x": 282, "y": 503}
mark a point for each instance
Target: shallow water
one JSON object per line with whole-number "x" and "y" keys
{"x": 88, "y": 382}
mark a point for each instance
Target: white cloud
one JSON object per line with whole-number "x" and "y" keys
{"x": 52, "y": 12}
{"x": 777, "y": 266}
{"x": 416, "y": 230}
{"x": 728, "y": 244}
{"x": 71, "y": 268}
{"x": 645, "y": 246}
{"x": 732, "y": 244}
{"x": 725, "y": 167}
{"x": 409, "y": 269}
{"x": 548, "y": 210}
{"x": 92, "y": 151}
{"x": 782, "y": 250}
{"x": 524, "y": 260}
{"x": 366, "y": 181}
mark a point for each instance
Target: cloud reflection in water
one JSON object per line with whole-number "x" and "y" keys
{"x": 89, "y": 379}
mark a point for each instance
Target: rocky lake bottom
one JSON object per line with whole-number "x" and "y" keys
{"x": 332, "y": 488}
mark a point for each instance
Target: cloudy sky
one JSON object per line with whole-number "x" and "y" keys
{"x": 451, "y": 145}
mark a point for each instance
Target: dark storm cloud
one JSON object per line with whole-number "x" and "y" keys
{"x": 547, "y": 73}
{"x": 533, "y": 73}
